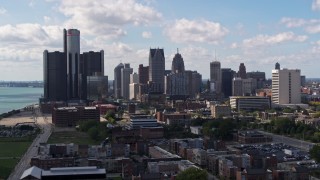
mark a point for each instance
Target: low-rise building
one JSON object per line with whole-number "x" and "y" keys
{"x": 250, "y": 103}
{"x": 220, "y": 110}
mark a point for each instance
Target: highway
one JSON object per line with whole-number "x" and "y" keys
{"x": 304, "y": 145}
{"x": 24, "y": 163}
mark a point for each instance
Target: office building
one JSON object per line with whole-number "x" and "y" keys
{"x": 134, "y": 91}
{"x": 250, "y": 103}
{"x": 218, "y": 111}
{"x": 117, "y": 80}
{"x": 125, "y": 80}
{"x": 303, "y": 81}
{"x": 249, "y": 86}
{"x": 226, "y": 81}
{"x": 277, "y": 66}
{"x": 286, "y": 86}
{"x": 196, "y": 83}
{"x": 237, "y": 89}
{"x": 215, "y": 75}
{"x": 73, "y": 67}
{"x": 242, "y": 73}
{"x": 91, "y": 64}
{"x": 97, "y": 87}
{"x": 177, "y": 64}
{"x": 176, "y": 84}
{"x": 157, "y": 68}
{"x": 143, "y": 72}
{"x": 134, "y": 78}
{"x": 54, "y": 75}
{"x": 260, "y": 77}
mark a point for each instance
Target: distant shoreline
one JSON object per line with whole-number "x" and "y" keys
{"x": 15, "y": 111}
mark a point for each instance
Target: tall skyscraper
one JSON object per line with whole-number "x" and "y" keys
{"x": 117, "y": 80}
{"x": 226, "y": 81}
{"x": 215, "y": 75}
{"x": 156, "y": 68}
{"x": 196, "y": 83}
{"x": 73, "y": 56}
{"x": 125, "y": 80}
{"x": 286, "y": 86}
{"x": 55, "y": 76}
{"x": 143, "y": 72}
{"x": 91, "y": 64}
{"x": 177, "y": 64}
{"x": 242, "y": 73}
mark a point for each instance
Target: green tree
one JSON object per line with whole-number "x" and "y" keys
{"x": 109, "y": 115}
{"x": 93, "y": 133}
{"x": 315, "y": 153}
{"x": 192, "y": 174}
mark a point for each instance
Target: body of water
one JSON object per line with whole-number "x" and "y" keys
{"x": 18, "y": 97}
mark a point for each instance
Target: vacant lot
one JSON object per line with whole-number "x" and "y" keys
{"x": 11, "y": 149}
{"x": 71, "y": 137}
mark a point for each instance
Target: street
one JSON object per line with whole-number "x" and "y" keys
{"x": 304, "y": 145}
{"x": 43, "y": 136}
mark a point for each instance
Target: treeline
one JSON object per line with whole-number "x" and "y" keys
{"x": 285, "y": 126}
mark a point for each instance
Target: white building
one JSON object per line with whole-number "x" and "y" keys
{"x": 286, "y": 86}
{"x": 134, "y": 91}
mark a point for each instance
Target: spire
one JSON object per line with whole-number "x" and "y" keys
{"x": 177, "y": 50}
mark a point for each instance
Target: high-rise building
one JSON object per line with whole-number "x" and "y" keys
{"x": 177, "y": 64}
{"x": 260, "y": 77}
{"x": 125, "y": 80}
{"x": 97, "y": 87}
{"x": 237, "y": 89}
{"x": 215, "y": 75}
{"x": 91, "y": 64}
{"x": 156, "y": 68}
{"x": 196, "y": 83}
{"x": 286, "y": 86}
{"x": 73, "y": 67}
{"x": 176, "y": 84}
{"x": 249, "y": 86}
{"x": 117, "y": 80}
{"x": 226, "y": 81}
{"x": 242, "y": 73}
{"x": 55, "y": 76}
{"x": 134, "y": 78}
{"x": 143, "y": 74}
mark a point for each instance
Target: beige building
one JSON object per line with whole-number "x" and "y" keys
{"x": 286, "y": 86}
{"x": 220, "y": 110}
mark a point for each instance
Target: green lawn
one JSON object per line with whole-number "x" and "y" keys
{"x": 6, "y": 165}
{"x": 13, "y": 148}
{"x": 71, "y": 137}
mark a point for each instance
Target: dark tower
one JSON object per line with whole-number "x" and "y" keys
{"x": 242, "y": 73}
{"x": 226, "y": 76}
{"x": 177, "y": 63}
{"x": 143, "y": 74}
{"x": 156, "y": 68}
{"x": 277, "y": 66}
{"x": 117, "y": 80}
{"x": 55, "y": 76}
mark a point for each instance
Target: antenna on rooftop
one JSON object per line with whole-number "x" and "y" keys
{"x": 177, "y": 50}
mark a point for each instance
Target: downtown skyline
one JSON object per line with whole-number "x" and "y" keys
{"x": 259, "y": 34}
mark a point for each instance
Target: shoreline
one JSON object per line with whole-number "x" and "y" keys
{"x": 17, "y": 111}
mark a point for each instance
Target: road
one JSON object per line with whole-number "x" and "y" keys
{"x": 304, "y": 145}
{"x": 24, "y": 163}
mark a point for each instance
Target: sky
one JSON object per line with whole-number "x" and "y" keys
{"x": 257, "y": 33}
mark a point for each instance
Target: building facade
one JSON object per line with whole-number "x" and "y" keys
{"x": 286, "y": 86}
{"x": 215, "y": 75}
{"x": 157, "y": 68}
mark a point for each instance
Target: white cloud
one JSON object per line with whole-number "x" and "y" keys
{"x": 107, "y": 16}
{"x": 316, "y": 5}
{"x": 189, "y": 31}
{"x": 146, "y": 35}
{"x": 266, "y": 40}
{"x": 313, "y": 29}
{"x": 2, "y": 11}
{"x": 311, "y": 26}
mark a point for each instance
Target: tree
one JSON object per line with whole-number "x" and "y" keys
{"x": 93, "y": 133}
{"x": 315, "y": 153}
{"x": 192, "y": 173}
{"x": 109, "y": 115}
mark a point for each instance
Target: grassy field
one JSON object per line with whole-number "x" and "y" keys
{"x": 71, "y": 137}
{"x": 13, "y": 149}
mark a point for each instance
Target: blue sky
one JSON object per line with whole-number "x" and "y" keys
{"x": 257, "y": 33}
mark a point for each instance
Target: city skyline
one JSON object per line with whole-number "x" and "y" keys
{"x": 258, "y": 34}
